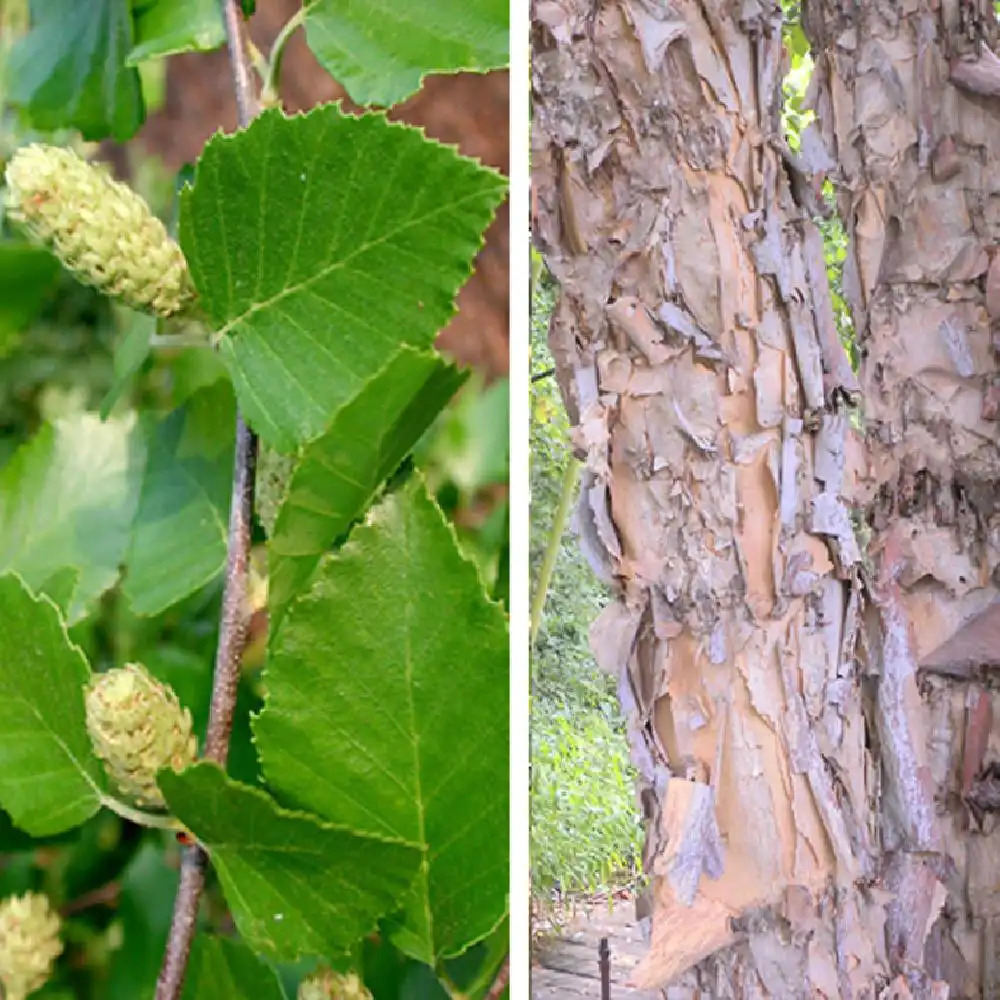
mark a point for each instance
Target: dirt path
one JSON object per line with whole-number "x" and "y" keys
{"x": 565, "y": 966}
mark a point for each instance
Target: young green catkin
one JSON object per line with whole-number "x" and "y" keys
{"x": 138, "y": 727}
{"x": 325, "y": 984}
{"x": 29, "y": 944}
{"x": 99, "y": 228}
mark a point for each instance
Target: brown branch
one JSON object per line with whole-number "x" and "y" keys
{"x": 182, "y": 926}
{"x": 235, "y": 624}
{"x": 235, "y": 617}
{"x": 105, "y": 895}
{"x": 500, "y": 983}
{"x": 246, "y": 100}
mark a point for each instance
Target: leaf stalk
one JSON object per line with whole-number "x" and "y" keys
{"x": 269, "y": 95}
{"x": 552, "y": 550}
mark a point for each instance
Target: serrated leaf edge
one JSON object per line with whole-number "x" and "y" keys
{"x": 300, "y": 452}
{"x": 422, "y": 73}
{"x": 40, "y": 597}
{"x": 220, "y": 138}
{"x": 418, "y": 486}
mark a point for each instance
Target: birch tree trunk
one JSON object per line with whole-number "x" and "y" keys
{"x": 700, "y": 365}
{"x": 906, "y": 95}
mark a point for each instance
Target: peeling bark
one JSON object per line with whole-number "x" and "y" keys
{"x": 906, "y": 96}
{"x": 698, "y": 359}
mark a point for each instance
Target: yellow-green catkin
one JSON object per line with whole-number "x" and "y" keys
{"x": 29, "y": 944}
{"x": 326, "y": 984}
{"x": 100, "y": 229}
{"x": 138, "y": 727}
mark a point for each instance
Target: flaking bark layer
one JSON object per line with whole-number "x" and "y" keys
{"x": 699, "y": 361}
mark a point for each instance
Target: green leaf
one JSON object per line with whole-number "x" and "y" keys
{"x": 320, "y": 245}
{"x": 222, "y": 969}
{"x": 380, "y": 50}
{"x": 50, "y": 779}
{"x": 67, "y": 499}
{"x": 69, "y": 70}
{"x": 295, "y": 885}
{"x": 27, "y": 275}
{"x": 130, "y": 354}
{"x": 61, "y": 587}
{"x": 475, "y": 970}
{"x": 179, "y": 533}
{"x": 387, "y": 710}
{"x": 339, "y": 472}
{"x": 166, "y": 27}
{"x": 470, "y": 448}
{"x": 145, "y": 905}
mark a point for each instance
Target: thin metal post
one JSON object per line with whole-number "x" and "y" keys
{"x": 604, "y": 962}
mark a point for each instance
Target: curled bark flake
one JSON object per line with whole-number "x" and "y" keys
{"x": 806, "y": 188}
{"x": 598, "y": 539}
{"x": 829, "y": 517}
{"x": 991, "y": 402}
{"x": 697, "y": 437}
{"x": 829, "y": 456}
{"x": 631, "y": 318}
{"x": 983, "y": 795}
{"x": 956, "y": 342}
{"x": 805, "y": 758}
{"x": 971, "y": 648}
{"x": 978, "y": 723}
{"x": 945, "y": 162}
{"x": 902, "y": 728}
{"x": 656, "y": 35}
{"x": 993, "y": 285}
{"x": 840, "y": 375}
{"x": 808, "y": 356}
{"x": 790, "y": 501}
{"x": 682, "y": 322}
{"x": 612, "y": 636}
{"x": 979, "y": 74}
{"x": 694, "y": 847}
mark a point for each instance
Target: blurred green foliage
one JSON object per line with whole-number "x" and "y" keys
{"x": 585, "y": 830}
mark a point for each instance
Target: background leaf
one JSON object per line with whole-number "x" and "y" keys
{"x": 380, "y": 50}
{"x": 166, "y": 27}
{"x": 339, "y": 472}
{"x": 50, "y": 780}
{"x": 295, "y": 886}
{"x": 69, "y": 70}
{"x": 475, "y": 969}
{"x": 179, "y": 534}
{"x": 222, "y": 969}
{"x": 315, "y": 265}
{"x": 145, "y": 906}
{"x": 67, "y": 499}
{"x": 131, "y": 352}
{"x": 471, "y": 448}
{"x": 387, "y": 710}
{"x": 27, "y": 275}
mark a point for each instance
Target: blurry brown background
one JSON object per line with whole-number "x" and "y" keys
{"x": 468, "y": 110}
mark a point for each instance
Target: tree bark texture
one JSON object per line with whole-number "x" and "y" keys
{"x": 700, "y": 365}
{"x": 907, "y": 102}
